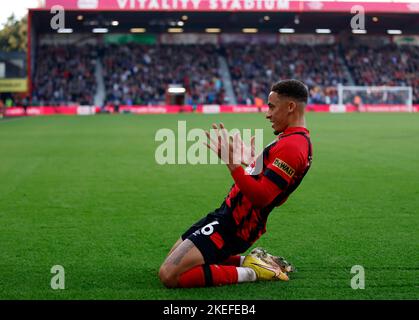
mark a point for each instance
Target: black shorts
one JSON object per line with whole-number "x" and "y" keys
{"x": 214, "y": 236}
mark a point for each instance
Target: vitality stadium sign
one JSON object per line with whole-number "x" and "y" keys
{"x": 169, "y": 5}
{"x": 233, "y": 5}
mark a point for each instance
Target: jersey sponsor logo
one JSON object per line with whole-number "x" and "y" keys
{"x": 284, "y": 167}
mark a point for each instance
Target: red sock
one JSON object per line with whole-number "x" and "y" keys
{"x": 222, "y": 275}
{"x": 208, "y": 275}
{"x": 232, "y": 261}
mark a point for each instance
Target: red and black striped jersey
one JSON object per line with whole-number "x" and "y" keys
{"x": 257, "y": 191}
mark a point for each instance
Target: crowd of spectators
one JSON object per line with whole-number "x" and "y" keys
{"x": 138, "y": 74}
{"x": 254, "y": 68}
{"x": 389, "y": 65}
{"x": 64, "y": 75}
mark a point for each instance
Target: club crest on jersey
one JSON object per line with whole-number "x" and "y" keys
{"x": 284, "y": 167}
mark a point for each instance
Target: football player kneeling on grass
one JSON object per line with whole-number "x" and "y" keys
{"x": 208, "y": 253}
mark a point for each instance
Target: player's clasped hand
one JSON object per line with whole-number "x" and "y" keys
{"x": 230, "y": 149}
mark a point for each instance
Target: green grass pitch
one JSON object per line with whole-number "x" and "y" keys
{"x": 87, "y": 194}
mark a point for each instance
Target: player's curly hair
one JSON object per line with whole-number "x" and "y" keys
{"x": 291, "y": 88}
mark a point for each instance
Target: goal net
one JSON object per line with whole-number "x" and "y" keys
{"x": 376, "y": 98}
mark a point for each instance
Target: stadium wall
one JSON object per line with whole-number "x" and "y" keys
{"x": 204, "y": 109}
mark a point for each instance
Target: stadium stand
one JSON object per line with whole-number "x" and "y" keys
{"x": 66, "y": 77}
{"x": 390, "y": 65}
{"x": 255, "y": 68}
{"x": 137, "y": 74}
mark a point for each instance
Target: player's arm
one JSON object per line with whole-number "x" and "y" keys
{"x": 260, "y": 192}
{"x": 284, "y": 161}
{"x": 282, "y": 164}
{"x": 263, "y": 191}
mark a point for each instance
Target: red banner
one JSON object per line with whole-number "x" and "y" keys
{"x": 318, "y": 107}
{"x": 154, "y": 109}
{"x": 207, "y": 109}
{"x": 233, "y": 5}
{"x": 37, "y": 111}
{"x": 215, "y": 108}
{"x": 14, "y": 112}
{"x": 386, "y": 108}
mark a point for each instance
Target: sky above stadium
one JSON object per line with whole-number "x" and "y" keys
{"x": 19, "y": 7}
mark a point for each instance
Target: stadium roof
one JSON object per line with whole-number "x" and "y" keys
{"x": 396, "y": 6}
{"x": 265, "y": 22}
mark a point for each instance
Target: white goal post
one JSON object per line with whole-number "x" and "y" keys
{"x": 376, "y": 98}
